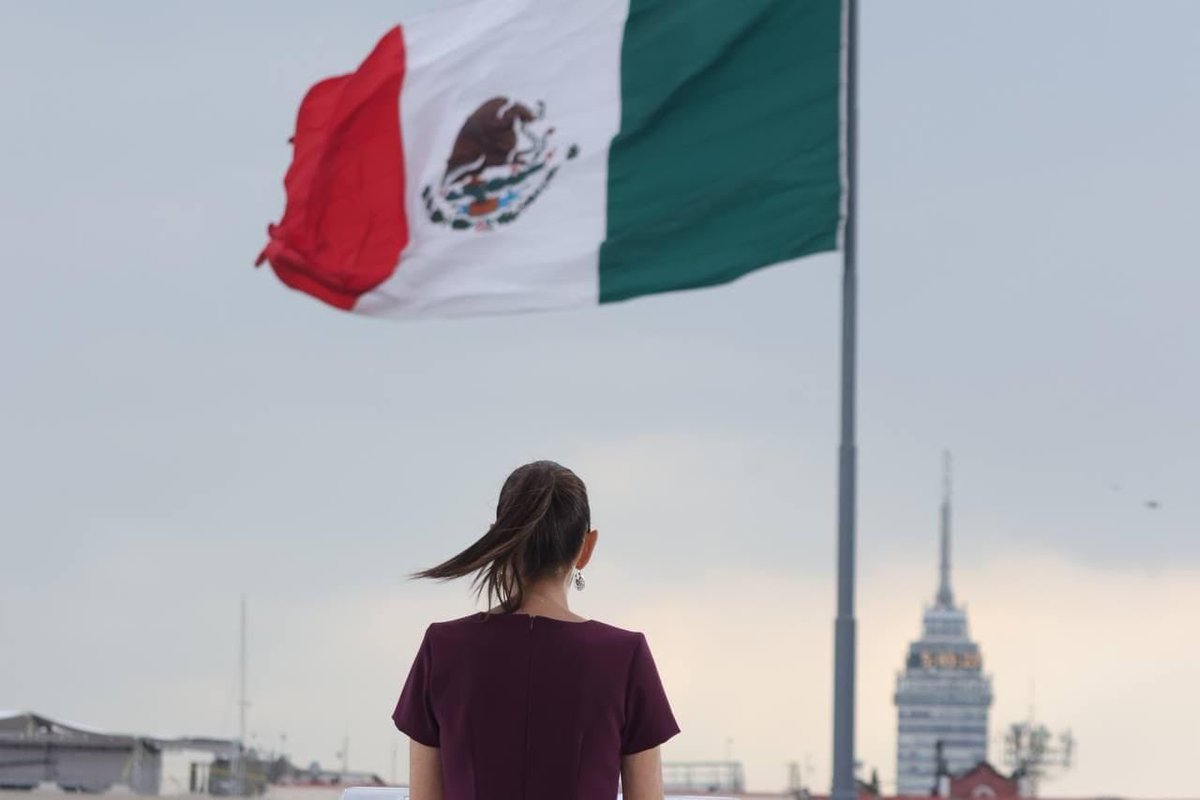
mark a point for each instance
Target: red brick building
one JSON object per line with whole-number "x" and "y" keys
{"x": 983, "y": 782}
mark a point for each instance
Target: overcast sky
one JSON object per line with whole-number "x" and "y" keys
{"x": 179, "y": 428}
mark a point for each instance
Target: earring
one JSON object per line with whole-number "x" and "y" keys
{"x": 579, "y": 581}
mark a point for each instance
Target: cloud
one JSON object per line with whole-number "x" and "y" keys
{"x": 668, "y": 505}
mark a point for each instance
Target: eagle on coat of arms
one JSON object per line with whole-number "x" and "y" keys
{"x": 501, "y": 161}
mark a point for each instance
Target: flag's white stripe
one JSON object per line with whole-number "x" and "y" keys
{"x": 567, "y": 55}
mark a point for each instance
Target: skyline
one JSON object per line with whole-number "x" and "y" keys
{"x": 181, "y": 429}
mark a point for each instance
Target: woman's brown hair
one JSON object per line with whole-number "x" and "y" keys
{"x": 541, "y": 519}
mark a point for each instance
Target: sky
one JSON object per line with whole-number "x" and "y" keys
{"x": 179, "y": 429}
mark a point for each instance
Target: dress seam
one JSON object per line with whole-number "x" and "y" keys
{"x": 528, "y": 692}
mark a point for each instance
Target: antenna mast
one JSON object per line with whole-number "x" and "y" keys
{"x": 239, "y": 770}
{"x": 945, "y": 595}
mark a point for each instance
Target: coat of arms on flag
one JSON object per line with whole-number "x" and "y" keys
{"x": 501, "y": 161}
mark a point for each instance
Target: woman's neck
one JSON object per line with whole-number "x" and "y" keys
{"x": 548, "y": 599}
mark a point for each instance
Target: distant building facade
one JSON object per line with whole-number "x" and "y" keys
{"x": 703, "y": 777}
{"x": 984, "y": 782}
{"x": 36, "y": 750}
{"x": 942, "y": 695}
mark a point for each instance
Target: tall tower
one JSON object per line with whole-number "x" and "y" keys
{"x": 942, "y": 695}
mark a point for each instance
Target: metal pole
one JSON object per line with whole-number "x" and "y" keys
{"x": 844, "y": 627}
{"x": 240, "y": 772}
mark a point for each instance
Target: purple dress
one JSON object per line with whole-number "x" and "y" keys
{"x": 533, "y": 708}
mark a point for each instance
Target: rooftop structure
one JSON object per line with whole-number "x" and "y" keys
{"x": 35, "y": 750}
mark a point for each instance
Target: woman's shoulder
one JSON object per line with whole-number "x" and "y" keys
{"x": 456, "y": 622}
{"x": 591, "y": 629}
{"x": 615, "y": 633}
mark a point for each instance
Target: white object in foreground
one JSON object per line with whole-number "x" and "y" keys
{"x": 401, "y": 793}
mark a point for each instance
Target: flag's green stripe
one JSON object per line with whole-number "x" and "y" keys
{"x": 727, "y": 157}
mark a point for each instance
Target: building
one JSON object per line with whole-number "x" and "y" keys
{"x": 704, "y": 777}
{"x": 984, "y": 782}
{"x": 315, "y": 775}
{"x": 942, "y": 695}
{"x": 37, "y": 750}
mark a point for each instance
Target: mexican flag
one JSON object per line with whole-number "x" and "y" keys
{"x": 519, "y": 155}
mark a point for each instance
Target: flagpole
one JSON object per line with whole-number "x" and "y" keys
{"x": 844, "y": 626}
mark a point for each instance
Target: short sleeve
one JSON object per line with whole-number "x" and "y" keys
{"x": 648, "y": 718}
{"x": 414, "y": 711}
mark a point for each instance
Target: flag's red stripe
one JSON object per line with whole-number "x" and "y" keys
{"x": 344, "y": 226}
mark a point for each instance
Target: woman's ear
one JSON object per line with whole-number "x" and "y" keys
{"x": 589, "y": 544}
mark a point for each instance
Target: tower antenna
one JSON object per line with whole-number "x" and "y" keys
{"x": 945, "y": 595}
{"x": 239, "y": 764}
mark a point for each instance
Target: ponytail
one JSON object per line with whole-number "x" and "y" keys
{"x": 541, "y": 518}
